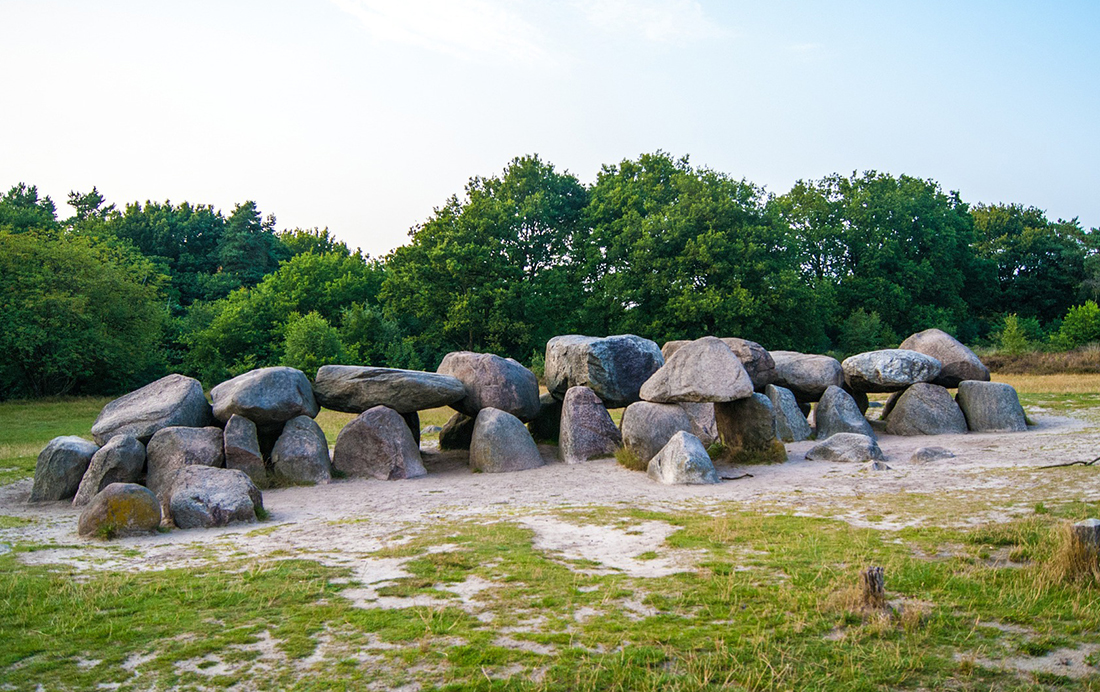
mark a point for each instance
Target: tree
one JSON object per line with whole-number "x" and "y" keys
{"x": 248, "y": 250}
{"x": 311, "y": 342}
{"x": 1081, "y": 326}
{"x": 317, "y": 241}
{"x": 21, "y": 210}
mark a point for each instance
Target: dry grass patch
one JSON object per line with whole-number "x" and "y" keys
{"x": 1061, "y": 383}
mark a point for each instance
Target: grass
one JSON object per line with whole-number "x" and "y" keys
{"x": 1082, "y": 361}
{"x": 26, "y": 427}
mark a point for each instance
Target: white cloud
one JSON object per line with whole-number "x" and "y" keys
{"x": 661, "y": 21}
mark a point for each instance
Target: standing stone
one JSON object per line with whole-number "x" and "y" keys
{"x": 755, "y": 358}
{"x": 587, "y": 431}
{"x": 647, "y": 427}
{"x": 683, "y": 461}
{"x": 204, "y": 497}
{"x": 120, "y": 509}
{"x": 174, "y": 400}
{"x": 747, "y": 428}
{"x": 959, "y": 362}
{"x": 301, "y": 452}
{"x": 703, "y": 370}
{"x": 457, "y": 432}
{"x": 378, "y": 444}
{"x": 838, "y": 412}
{"x": 889, "y": 370}
{"x": 926, "y": 409}
{"x": 790, "y": 423}
{"x": 614, "y": 367}
{"x": 546, "y": 427}
{"x": 266, "y": 396}
{"x": 991, "y": 407}
{"x": 849, "y": 447}
{"x": 807, "y": 375}
{"x": 355, "y": 388}
{"x": 493, "y": 382}
{"x": 502, "y": 444}
{"x": 703, "y": 424}
{"x": 121, "y": 460}
{"x": 412, "y": 419}
{"x": 171, "y": 449}
{"x": 60, "y": 467}
{"x": 242, "y": 449}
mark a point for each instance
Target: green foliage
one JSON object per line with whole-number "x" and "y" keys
{"x": 22, "y": 210}
{"x": 310, "y": 343}
{"x": 864, "y": 331}
{"x": 1081, "y": 326}
{"x": 1013, "y": 339}
{"x": 316, "y": 241}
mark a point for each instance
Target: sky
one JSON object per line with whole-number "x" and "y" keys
{"x": 363, "y": 116}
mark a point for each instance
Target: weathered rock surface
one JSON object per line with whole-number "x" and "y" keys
{"x": 959, "y": 362}
{"x": 301, "y": 452}
{"x": 457, "y": 432}
{"x": 242, "y": 449}
{"x": 587, "y": 431}
{"x": 703, "y": 424}
{"x": 378, "y": 444}
{"x": 266, "y": 396}
{"x": 755, "y": 358}
{"x": 121, "y": 460}
{"x": 747, "y": 428}
{"x": 354, "y": 389}
{"x": 806, "y": 374}
{"x": 412, "y": 419}
{"x": 614, "y": 367}
{"x": 682, "y": 461}
{"x": 790, "y": 423}
{"x": 925, "y": 409}
{"x": 837, "y": 412}
{"x": 647, "y": 427}
{"x": 703, "y": 370}
{"x": 171, "y": 449}
{"x": 928, "y": 454}
{"x": 492, "y": 382}
{"x": 60, "y": 467}
{"x": 546, "y": 427}
{"x": 120, "y": 509}
{"x": 204, "y": 496}
{"x": 501, "y": 443}
{"x": 850, "y": 447}
{"x": 889, "y": 370}
{"x": 171, "y": 401}
{"x": 991, "y": 407}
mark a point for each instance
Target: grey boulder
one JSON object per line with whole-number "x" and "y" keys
{"x": 682, "y": 461}
{"x": 204, "y": 497}
{"x": 925, "y": 409}
{"x": 959, "y": 362}
{"x": 354, "y": 389}
{"x": 790, "y": 423}
{"x": 703, "y": 424}
{"x": 702, "y": 370}
{"x": 926, "y": 454}
{"x": 457, "y": 432}
{"x": 171, "y": 449}
{"x": 121, "y": 460}
{"x": 301, "y": 452}
{"x": 647, "y": 427}
{"x": 546, "y": 427}
{"x": 492, "y": 382}
{"x": 991, "y": 407}
{"x": 120, "y": 509}
{"x": 171, "y": 401}
{"x": 837, "y": 412}
{"x": 747, "y": 428}
{"x": 849, "y": 447}
{"x": 242, "y": 449}
{"x": 758, "y": 363}
{"x": 267, "y": 396}
{"x": 501, "y": 443}
{"x": 587, "y": 431}
{"x": 889, "y": 370}
{"x": 614, "y": 367}
{"x": 60, "y": 467}
{"x": 378, "y": 444}
{"x": 807, "y": 375}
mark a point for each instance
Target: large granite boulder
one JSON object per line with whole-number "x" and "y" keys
{"x": 60, "y": 467}
{"x": 171, "y": 401}
{"x": 378, "y": 444}
{"x": 790, "y": 423}
{"x": 267, "y": 396}
{"x": 121, "y": 460}
{"x": 203, "y": 497}
{"x": 647, "y": 427}
{"x": 747, "y": 428}
{"x": 991, "y": 407}
{"x": 703, "y": 424}
{"x": 703, "y": 370}
{"x": 492, "y": 382}
{"x": 925, "y": 409}
{"x": 171, "y": 449}
{"x": 120, "y": 509}
{"x": 242, "y": 449}
{"x": 457, "y": 432}
{"x": 806, "y": 374}
{"x": 889, "y": 370}
{"x": 355, "y": 388}
{"x": 614, "y": 367}
{"x": 850, "y": 447}
{"x": 959, "y": 362}
{"x": 755, "y": 358}
{"x": 587, "y": 431}
{"x": 838, "y": 412}
{"x": 501, "y": 443}
{"x": 682, "y": 461}
{"x": 301, "y": 452}
{"x": 546, "y": 427}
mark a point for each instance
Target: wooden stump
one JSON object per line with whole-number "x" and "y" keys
{"x": 1087, "y": 532}
{"x": 872, "y": 583}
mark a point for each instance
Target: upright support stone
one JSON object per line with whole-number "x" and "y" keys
{"x": 747, "y": 428}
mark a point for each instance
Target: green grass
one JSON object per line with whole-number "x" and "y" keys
{"x": 26, "y": 427}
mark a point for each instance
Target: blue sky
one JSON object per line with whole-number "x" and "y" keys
{"x": 363, "y": 115}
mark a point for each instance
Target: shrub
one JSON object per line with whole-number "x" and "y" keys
{"x": 1081, "y": 326}
{"x": 1013, "y": 339}
{"x": 310, "y": 343}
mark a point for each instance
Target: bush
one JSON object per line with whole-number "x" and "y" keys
{"x": 1081, "y": 326}
{"x": 864, "y": 331}
{"x": 310, "y": 343}
{"x": 1013, "y": 339}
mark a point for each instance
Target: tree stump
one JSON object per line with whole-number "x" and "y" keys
{"x": 1087, "y": 532}
{"x": 872, "y": 583}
